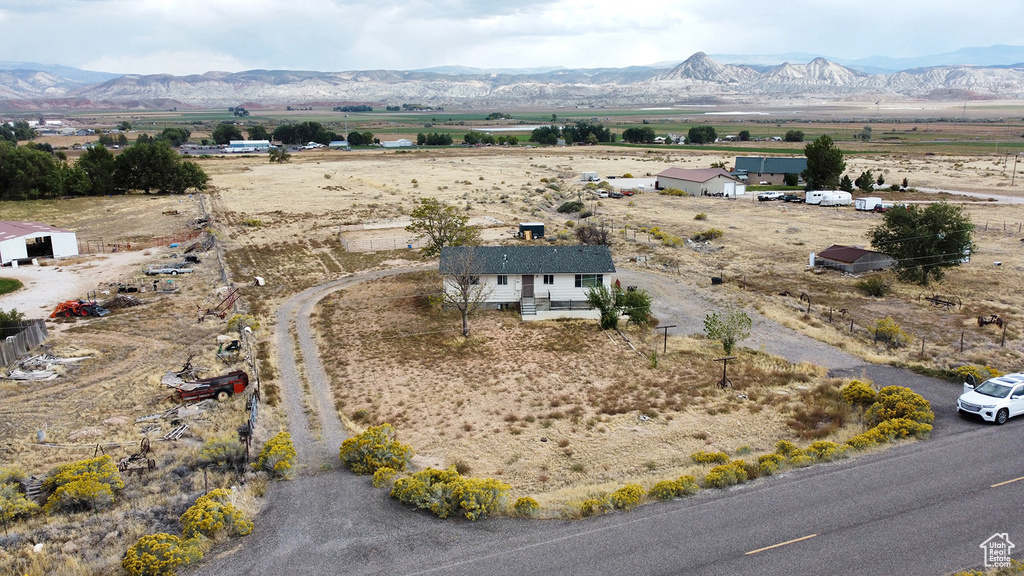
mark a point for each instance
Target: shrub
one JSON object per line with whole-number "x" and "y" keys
{"x": 702, "y": 457}
{"x": 769, "y": 464}
{"x": 376, "y": 447}
{"x": 858, "y": 393}
{"x": 785, "y": 447}
{"x": 873, "y": 286}
{"x": 681, "y": 487}
{"x": 627, "y": 497}
{"x": 627, "y": 175}
{"x": 673, "y": 192}
{"x": 526, "y": 507}
{"x": 899, "y": 402}
{"x": 223, "y": 451}
{"x": 383, "y": 476}
{"x": 11, "y": 476}
{"x": 444, "y": 492}
{"x": 889, "y": 333}
{"x": 701, "y": 216}
{"x": 980, "y": 373}
{"x": 707, "y": 235}
{"x": 726, "y": 475}
{"x": 888, "y": 431}
{"x": 83, "y": 485}
{"x": 571, "y": 207}
{"x": 592, "y": 507}
{"x": 214, "y": 514}
{"x": 824, "y": 451}
{"x": 160, "y": 555}
{"x": 277, "y": 456}
{"x": 13, "y": 504}
{"x": 799, "y": 459}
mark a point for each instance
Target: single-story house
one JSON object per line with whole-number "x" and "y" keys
{"x": 400, "y": 143}
{"x": 542, "y": 281}
{"x": 852, "y": 259}
{"x": 764, "y": 169}
{"x": 25, "y": 240}
{"x": 700, "y": 182}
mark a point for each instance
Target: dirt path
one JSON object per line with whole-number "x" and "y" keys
{"x": 316, "y": 429}
{"x": 683, "y": 302}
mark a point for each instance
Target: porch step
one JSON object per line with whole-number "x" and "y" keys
{"x": 527, "y": 307}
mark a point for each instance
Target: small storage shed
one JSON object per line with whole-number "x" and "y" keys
{"x": 852, "y": 259}
{"x": 25, "y": 240}
{"x": 531, "y": 230}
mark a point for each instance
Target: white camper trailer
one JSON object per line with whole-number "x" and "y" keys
{"x": 814, "y": 196}
{"x": 837, "y": 198}
{"x": 867, "y": 203}
{"x": 589, "y": 177}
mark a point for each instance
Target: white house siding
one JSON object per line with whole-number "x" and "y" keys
{"x": 563, "y": 289}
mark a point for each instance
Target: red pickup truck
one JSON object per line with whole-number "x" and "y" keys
{"x": 219, "y": 387}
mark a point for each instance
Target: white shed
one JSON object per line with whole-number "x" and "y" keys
{"x": 24, "y": 240}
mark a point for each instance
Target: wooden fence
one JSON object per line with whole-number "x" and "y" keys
{"x": 19, "y": 341}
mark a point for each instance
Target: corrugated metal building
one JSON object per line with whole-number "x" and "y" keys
{"x": 24, "y": 240}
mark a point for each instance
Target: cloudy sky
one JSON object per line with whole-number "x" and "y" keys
{"x": 196, "y": 36}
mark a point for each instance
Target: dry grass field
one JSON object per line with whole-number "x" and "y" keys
{"x": 487, "y": 402}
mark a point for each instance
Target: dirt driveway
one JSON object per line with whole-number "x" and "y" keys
{"x": 59, "y": 280}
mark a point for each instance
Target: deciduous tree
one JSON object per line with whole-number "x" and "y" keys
{"x": 442, "y": 226}
{"x": 729, "y": 327}
{"x": 924, "y": 240}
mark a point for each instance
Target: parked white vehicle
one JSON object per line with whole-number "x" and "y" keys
{"x": 769, "y": 195}
{"x": 837, "y": 198}
{"x": 995, "y": 400}
{"x": 814, "y": 196}
{"x": 868, "y": 203}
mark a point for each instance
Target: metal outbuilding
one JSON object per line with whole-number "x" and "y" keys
{"x": 701, "y": 182}
{"x": 26, "y": 240}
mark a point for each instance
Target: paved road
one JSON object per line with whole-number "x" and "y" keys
{"x": 920, "y": 508}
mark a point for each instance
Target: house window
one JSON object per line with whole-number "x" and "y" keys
{"x": 549, "y": 279}
{"x": 502, "y": 280}
{"x": 589, "y": 280}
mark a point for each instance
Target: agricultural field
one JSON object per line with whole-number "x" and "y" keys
{"x": 484, "y": 403}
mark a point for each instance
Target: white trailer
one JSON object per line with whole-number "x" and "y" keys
{"x": 589, "y": 177}
{"x": 867, "y": 203}
{"x": 837, "y": 198}
{"x": 815, "y": 196}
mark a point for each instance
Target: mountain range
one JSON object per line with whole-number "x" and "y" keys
{"x": 699, "y": 79}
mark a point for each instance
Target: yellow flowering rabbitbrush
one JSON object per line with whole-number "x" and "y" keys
{"x": 375, "y": 448}
{"x": 160, "y": 555}
{"x": 277, "y": 456}
{"x": 214, "y": 514}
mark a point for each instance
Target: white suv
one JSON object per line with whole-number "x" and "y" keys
{"x": 995, "y": 400}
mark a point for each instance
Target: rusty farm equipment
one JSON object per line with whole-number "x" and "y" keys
{"x": 220, "y": 310}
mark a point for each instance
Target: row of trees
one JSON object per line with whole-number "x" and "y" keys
{"x": 581, "y": 131}
{"x": 17, "y": 132}
{"x": 27, "y": 173}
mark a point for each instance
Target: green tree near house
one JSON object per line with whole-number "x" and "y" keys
{"x": 924, "y": 241}
{"x": 825, "y": 164}
{"x": 441, "y": 225}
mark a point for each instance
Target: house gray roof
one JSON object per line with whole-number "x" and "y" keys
{"x": 694, "y": 174}
{"x": 766, "y": 165}
{"x": 528, "y": 259}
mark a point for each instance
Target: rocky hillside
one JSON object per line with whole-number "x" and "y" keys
{"x": 698, "y": 79}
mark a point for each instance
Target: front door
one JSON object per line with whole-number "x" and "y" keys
{"x": 528, "y": 286}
